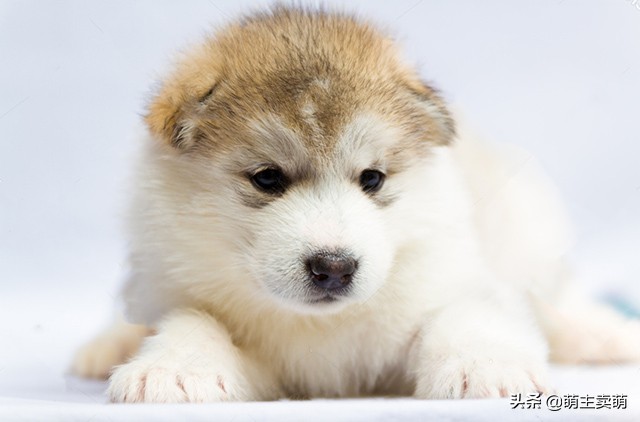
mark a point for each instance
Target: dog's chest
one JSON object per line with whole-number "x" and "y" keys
{"x": 350, "y": 359}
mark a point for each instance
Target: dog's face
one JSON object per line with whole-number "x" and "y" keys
{"x": 301, "y": 126}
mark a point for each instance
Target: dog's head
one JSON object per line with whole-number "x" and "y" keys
{"x": 300, "y": 125}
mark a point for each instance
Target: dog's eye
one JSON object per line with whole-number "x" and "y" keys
{"x": 270, "y": 180}
{"x": 371, "y": 180}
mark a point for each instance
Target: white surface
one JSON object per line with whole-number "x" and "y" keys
{"x": 559, "y": 77}
{"x": 72, "y": 399}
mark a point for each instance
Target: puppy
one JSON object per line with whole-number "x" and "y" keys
{"x": 309, "y": 222}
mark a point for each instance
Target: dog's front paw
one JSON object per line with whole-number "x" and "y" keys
{"x": 480, "y": 378}
{"x": 148, "y": 381}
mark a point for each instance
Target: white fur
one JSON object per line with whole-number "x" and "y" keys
{"x": 443, "y": 303}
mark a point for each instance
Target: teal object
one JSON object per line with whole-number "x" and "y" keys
{"x": 623, "y": 306}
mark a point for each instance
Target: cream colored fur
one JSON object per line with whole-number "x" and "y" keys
{"x": 461, "y": 290}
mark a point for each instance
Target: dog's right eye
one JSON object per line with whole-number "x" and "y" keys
{"x": 270, "y": 180}
{"x": 371, "y": 180}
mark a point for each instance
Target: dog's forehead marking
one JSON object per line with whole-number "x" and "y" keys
{"x": 366, "y": 131}
{"x": 308, "y": 111}
{"x": 323, "y": 83}
{"x": 308, "y": 114}
{"x": 319, "y": 112}
{"x": 366, "y": 141}
{"x": 273, "y": 142}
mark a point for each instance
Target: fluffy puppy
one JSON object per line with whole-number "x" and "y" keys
{"x": 308, "y": 223}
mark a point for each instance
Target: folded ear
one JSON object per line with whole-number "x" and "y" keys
{"x": 443, "y": 128}
{"x": 172, "y": 112}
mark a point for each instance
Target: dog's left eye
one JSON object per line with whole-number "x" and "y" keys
{"x": 270, "y": 180}
{"x": 371, "y": 180}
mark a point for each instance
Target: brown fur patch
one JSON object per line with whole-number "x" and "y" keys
{"x": 312, "y": 69}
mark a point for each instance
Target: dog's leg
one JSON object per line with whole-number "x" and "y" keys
{"x": 191, "y": 359}
{"x": 479, "y": 348}
{"x": 580, "y": 330}
{"x": 112, "y": 347}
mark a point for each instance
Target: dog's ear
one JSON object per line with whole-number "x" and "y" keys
{"x": 172, "y": 112}
{"x": 443, "y": 126}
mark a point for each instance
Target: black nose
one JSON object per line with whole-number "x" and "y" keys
{"x": 331, "y": 271}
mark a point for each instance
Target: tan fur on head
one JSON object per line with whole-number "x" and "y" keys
{"x": 308, "y": 68}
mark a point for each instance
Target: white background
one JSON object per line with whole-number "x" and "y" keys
{"x": 559, "y": 77}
